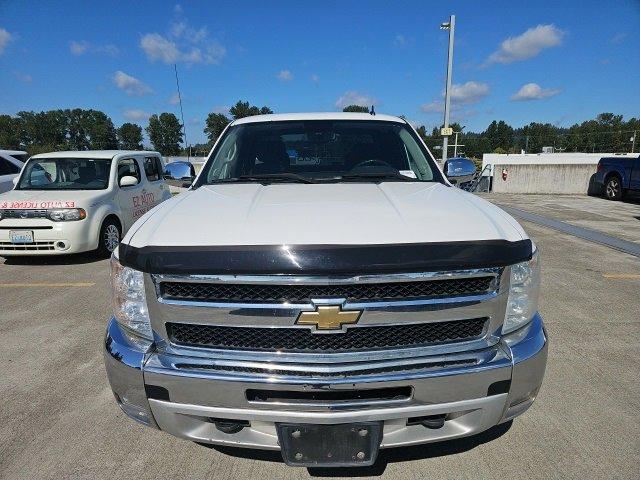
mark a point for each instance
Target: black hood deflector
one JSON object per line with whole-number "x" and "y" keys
{"x": 324, "y": 259}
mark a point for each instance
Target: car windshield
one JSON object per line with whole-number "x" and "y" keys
{"x": 65, "y": 174}
{"x": 315, "y": 151}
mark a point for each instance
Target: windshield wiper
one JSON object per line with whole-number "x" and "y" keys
{"x": 266, "y": 178}
{"x": 380, "y": 176}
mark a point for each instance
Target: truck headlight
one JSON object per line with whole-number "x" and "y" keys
{"x": 129, "y": 301}
{"x": 524, "y": 287}
{"x": 66, "y": 214}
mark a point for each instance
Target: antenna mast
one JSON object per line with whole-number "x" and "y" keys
{"x": 184, "y": 127}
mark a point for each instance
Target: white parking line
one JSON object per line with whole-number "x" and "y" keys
{"x": 622, "y": 276}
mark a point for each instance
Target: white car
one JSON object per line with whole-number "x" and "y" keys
{"x": 11, "y": 162}
{"x": 69, "y": 202}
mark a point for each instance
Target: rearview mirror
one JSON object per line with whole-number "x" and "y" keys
{"x": 128, "y": 181}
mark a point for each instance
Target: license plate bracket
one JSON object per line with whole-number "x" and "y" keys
{"x": 21, "y": 237}
{"x": 339, "y": 445}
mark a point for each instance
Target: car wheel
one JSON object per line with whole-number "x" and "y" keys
{"x": 109, "y": 237}
{"x": 613, "y": 188}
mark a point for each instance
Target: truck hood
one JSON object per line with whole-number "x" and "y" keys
{"x": 323, "y": 214}
{"x": 39, "y": 199}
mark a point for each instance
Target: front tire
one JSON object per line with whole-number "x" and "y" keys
{"x": 110, "y": 235}
{"x": 613, "y": 188}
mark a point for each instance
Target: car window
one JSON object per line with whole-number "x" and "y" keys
{"x": 7, "y": 168}
{"x": 320, "y": 150}
{"x": 128, "y": 167}
{"x": 151, "y": 168}
{"x": 65, "y": 174}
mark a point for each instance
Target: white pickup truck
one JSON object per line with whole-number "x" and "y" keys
{"x": 323, "y": 290}
{"x": 69, "y": 202}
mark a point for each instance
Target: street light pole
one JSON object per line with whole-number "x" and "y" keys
{"x": 451, "y": 26}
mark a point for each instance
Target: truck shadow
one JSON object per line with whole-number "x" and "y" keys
{"x": 73, "y": 259}
{"x": 393, "y": 455}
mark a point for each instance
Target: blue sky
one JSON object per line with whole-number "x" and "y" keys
{"x": 555, "y": 61}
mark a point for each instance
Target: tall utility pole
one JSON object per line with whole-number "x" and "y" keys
{"x": 184, "y": 127}
{"x": 451, "y": 26}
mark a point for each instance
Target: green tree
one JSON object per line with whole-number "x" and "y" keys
{"x": 43, "y": 131}
{"x": 499, "y": 135}
{"x": 130, "y": 136}
{"x": 244, "y": 109}
{"x": 165, "y": 133}
{"x": 77, "y": 129}
{"x": 9, "y": 132}
{"x": 215, "y": 124}
{"x": 356, "y": 108}
{"x": 101, "y": 131}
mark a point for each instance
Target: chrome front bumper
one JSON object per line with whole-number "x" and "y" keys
{"x": 153, "y": 389}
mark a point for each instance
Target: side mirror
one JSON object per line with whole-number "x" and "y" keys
{"x": 461, "y": 169}
{"x": 15, "y": 180}
{"x": 128, "y": 181}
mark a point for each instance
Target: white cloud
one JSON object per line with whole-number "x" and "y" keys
{"x": 617, "y": 39}
{"x": 352, "y": 97}
{"x": 432, "y": 107}
{"x": 527, "y": 45}
{"x": 108, "y": 49}
{"x": 82, "y": 47}
{"x": 470, "y": 92}
{"x": 5, "y": 39}
{"x": 174, "y": 99}
{"x": 23, "y": 77}
{"x": 224, "y": 109}
{"x": 159, "y": 48}
{"x": 78, "y": 48}
{"x": 167, "y": 51}
{"x": 315, "y": 78}
{"x": 285, "y": 75}
{"x": 177, "y": 8}
{"x": 533, "y": 91}
{"x": 461, "y": 94}
{"x": 135, "y": 115}
{"x": 130, "y": 85}
{"x": 183, "y": 44}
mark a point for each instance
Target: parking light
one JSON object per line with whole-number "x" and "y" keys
{"x": 129, "y": 301}
{"x": 524, "y": 288}
{"x": 66, "y": 214}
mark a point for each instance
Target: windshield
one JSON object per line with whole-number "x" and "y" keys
{"x": 65, "y": 174}
{"x": 319, "y": 151}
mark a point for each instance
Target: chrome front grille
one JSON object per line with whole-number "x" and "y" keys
{"x": 254, "y": 318}
{"x": 35, "y": 246}
{"x": 304, "y": 340}
{"x": 24, "y": 213}
{"x": 272, "y": 293}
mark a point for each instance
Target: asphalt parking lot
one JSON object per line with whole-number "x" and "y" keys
{"x": 58, "y": 418}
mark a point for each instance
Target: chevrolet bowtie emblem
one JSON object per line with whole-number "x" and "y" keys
{"x": 328, "y": 317}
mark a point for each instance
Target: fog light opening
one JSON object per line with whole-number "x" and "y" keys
{"x": 432, "y": 422}
{"x": 61, "y": 245}
{"x": 228, "y": 426}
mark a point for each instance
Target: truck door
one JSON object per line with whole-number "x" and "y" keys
{"x": 129, "y": 197}
{"x": 634, "y": 182}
